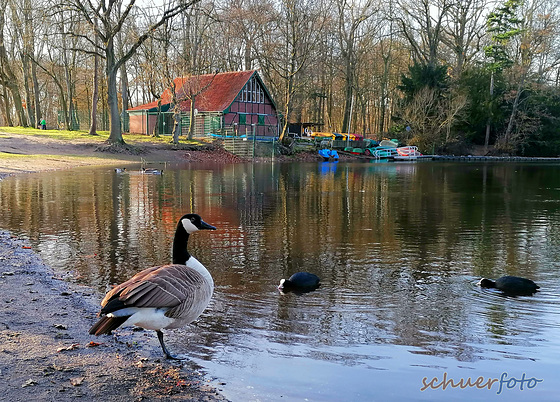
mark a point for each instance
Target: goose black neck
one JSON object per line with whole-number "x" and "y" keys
{"x": 180, "y": 252}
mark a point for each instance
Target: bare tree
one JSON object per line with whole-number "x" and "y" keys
{"x": 112, "y": 16}
{"x": 23, "y": 37}
{"x": 421, "y": 23}
{"x": 432, "y": 117}
{"x": 351, "y": 18}
{"x": 8, "y": 78}
{"x": 244, "y": 27}
{"x": 287, "y": 48}
{"x": 464, "y": 31}
{"x": 95, "y": 91}
{"x": 535, "y": 34}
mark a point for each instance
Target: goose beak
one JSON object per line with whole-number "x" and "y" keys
{"x": 204, "y": 225}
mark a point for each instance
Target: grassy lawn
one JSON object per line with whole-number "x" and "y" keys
{"x": 56, "y": 134}
{"x": 82, "y": 135}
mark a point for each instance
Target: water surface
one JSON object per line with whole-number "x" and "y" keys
{"x": 399, "y": 248}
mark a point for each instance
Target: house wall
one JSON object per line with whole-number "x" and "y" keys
{"x": 141, "y": 123}
{"x": 137, "y": 123}
{"x": 268, "y": 125}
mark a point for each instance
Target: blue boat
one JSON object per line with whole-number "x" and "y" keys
{"x": 328, "y": 154}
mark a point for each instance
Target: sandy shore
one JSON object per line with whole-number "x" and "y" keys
{"x": 28, "y": 154}
{"x": 46, "y": 353}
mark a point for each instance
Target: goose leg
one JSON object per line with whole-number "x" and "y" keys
{"x": 165, "y": 351}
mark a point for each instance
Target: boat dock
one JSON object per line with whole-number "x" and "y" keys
{"x": 471, "y": 158}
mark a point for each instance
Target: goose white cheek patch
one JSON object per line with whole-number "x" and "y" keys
{"x": 189, "y": 226}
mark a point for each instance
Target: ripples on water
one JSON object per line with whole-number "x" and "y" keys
{"x": 399, "y": 248}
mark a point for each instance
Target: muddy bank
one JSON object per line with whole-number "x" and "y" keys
{"x": 46, "y": 353}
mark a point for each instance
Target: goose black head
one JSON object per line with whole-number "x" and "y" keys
{"x": 193, "y": 223}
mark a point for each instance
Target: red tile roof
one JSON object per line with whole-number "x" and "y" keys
{"x": 218, "y": 91}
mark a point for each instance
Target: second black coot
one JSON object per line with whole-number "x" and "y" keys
{"x": 300, "y": 281}
{"x": 511, "y": 285}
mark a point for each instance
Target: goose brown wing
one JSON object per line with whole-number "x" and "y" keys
{"x": 164, "y": 286}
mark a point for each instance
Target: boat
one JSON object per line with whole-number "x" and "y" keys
{"x": 328, "y": 154}
{"x": 408, "y": 153}
{"x": 393, "y": 152}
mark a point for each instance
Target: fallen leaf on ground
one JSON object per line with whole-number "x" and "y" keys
{"x": 92, "y": 344}
{"x": 76, "y": 381}
{"x": 71, "y": 347}
{"x": 29, "y": 383}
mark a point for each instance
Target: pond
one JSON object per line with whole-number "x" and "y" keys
{"x": 399, "y": 248}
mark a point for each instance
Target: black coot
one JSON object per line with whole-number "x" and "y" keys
{"x": 511, "y": 285}
{"x": 300, "y": 282}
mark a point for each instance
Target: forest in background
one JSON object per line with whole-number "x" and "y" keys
{"x": 444, "y": 75}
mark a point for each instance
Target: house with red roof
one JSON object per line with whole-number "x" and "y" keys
{"x": 231, "y": 103}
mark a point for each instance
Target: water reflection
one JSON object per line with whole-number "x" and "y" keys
{"x": 398, "y": 247}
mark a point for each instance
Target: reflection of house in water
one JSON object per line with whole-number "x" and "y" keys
{"x": 231, "y": 103}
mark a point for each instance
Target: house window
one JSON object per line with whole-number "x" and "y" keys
{"x": 242, "y": 118}
{"x": 252, "y": 92}
{"x": 261, "y": 119}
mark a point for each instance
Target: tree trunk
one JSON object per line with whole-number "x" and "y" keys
{"x": 33, "y": 105}
{"x": 487, "y": 137}
{"x": 10, "y": 82}
{"x": 247, "y": 55}
{"x": 67, "y": 77}
{"x": 288, "y": 105}
{"x": 36, "y": 90}
{"x": 115, "y": 132}
{"x": 384, "y": 91}
{"x": 192, "y": 126}
{"x": 63, "y": 102}
{"x": 124, "y": 95}
{"x": 509, "y": 129}
{"x": 27, "y": 63}
{"x": 177, "y": 124}
{"x": 27, "y": 89}
{"x": 94, "y": 96}
{"x": 14, "y": 90}
{"x": 68, "y": 116}
{"x": 347, "y": 101}
{"x": 5, "y": 104}
{"x": 155, "y": 132}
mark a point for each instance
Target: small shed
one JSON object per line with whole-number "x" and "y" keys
{"x": 231, "y": 103}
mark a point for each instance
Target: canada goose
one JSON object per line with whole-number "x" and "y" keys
{"x": 151, "y": 171}
{"x": 511, "y": 285}
{"x": 161, "y": 297}
{"x": 300, "y": 281}
{"x": 120, "y": 170}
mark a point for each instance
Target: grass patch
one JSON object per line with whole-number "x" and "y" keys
{"x": 82, "y": 135}
{"x": 7, "y": 155}
{"x": 56, "y": 134}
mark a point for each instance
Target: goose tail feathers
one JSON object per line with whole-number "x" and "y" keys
{"x": 106, "y": 324}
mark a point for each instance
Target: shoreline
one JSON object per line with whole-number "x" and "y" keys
{"x": 21, "y": 153}
{"x": 46, "y": 352}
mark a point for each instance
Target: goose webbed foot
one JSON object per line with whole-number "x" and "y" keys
{"x": 165, "y": 351}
